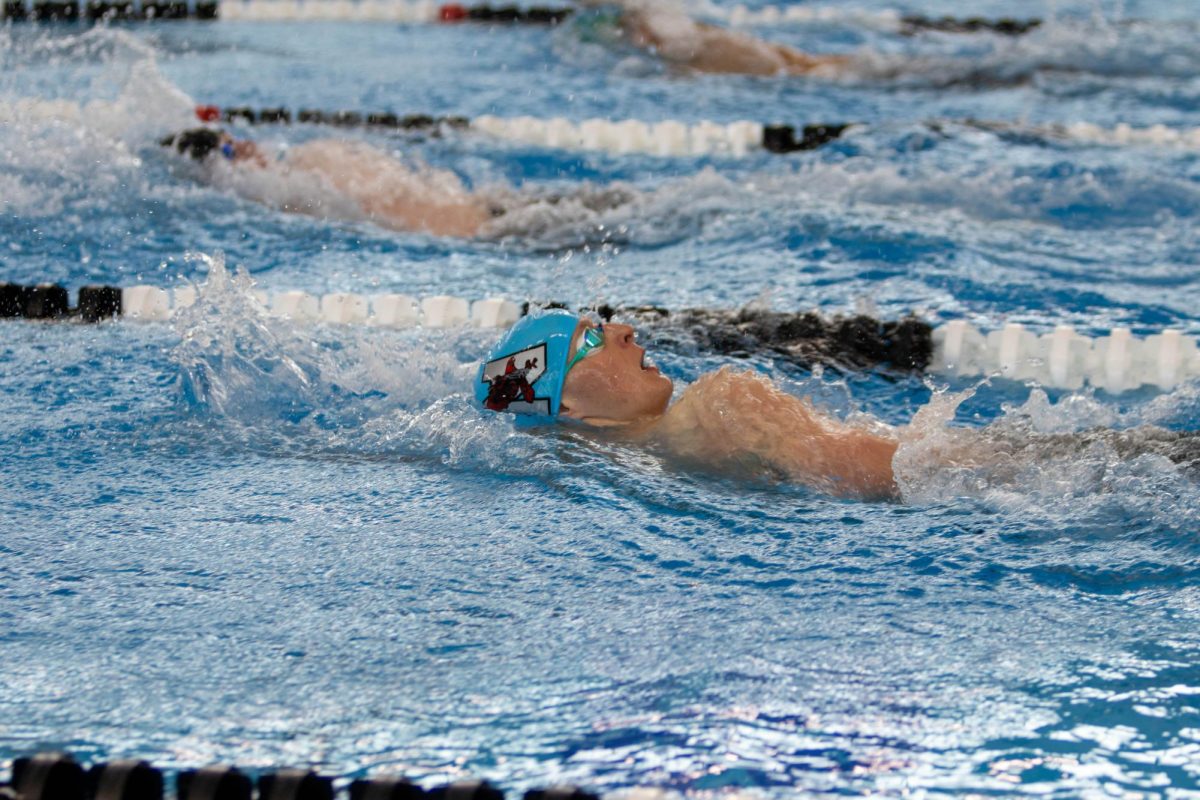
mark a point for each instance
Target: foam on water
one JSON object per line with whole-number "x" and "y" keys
{"x": 128, "y": 97}
{"x": 233, "y": 355}
{"x": 356, "y": 392}
{"x": 1075, "y": 468}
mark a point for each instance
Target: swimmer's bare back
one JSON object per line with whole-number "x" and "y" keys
{"x": 707, "y": 48}
{"x": 390, "y": 193}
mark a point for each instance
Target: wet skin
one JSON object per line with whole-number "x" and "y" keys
{"x": 614, "y": 385}
{"x": 732, "y": 422}
{"x": 707, "y": 48}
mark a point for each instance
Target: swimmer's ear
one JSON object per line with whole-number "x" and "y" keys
{"x": 568, "y": 407}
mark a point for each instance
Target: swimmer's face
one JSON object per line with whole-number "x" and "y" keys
{"x": 613, "y": 385}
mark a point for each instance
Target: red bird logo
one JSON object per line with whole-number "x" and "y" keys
{"x": 512, "y": 385}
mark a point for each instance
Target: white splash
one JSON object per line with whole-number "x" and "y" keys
{"x": 1075, "y": 459}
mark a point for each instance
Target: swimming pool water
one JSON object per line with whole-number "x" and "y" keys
{"x": 227, "y": 539}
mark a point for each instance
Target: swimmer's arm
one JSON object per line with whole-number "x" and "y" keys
{"x": 729, "y": 417}
{"x": 716, "y": 50}
{"x": 464, "y": 216}
{"x": 819, "y": 449}
{"x": 390, "y": 193}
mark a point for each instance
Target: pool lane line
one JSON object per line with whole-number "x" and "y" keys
{"x": 804, "y": 339}
{"x": 428, "y": 12}
{"x": 665, "y": 138}
{"x": 49, "y": 301}
{"x": 908, "y": 24}
{"x": 57, "y": 776}
{"x": 1117, "y": 362}
{"x": 410, "y": 11}
{"x": 94, "y": 11}
{"x": 673, "y": 138}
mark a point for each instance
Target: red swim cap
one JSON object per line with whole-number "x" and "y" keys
{"x": 452, "y": 12}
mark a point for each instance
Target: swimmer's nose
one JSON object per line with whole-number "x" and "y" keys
{"x": 622, "y": 335}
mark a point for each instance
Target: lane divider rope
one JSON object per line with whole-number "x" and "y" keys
{"x": 672, "y": 137}
{"x": 1117, "y": 362}
{"x": 116, "y": 10}
{"x": 739, "y": 15}
{"x": 666, "y": 138}
{"x": 428, "y": 11}
{"x": 409, "y": 11}
{"x": 804, "y": 339}
{"x": 1121, "y": 134}
{"x": 57, "y": 776}
{"x": 675, "y": 138}
{"x": 1064, "y": 359}
{"x": 154, "y": 304}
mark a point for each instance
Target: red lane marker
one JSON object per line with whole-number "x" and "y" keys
{"x": 452, "y": 12}
{"x": 208, "y": 113}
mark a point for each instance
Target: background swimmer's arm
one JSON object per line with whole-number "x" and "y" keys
{"x": 462, "y": 216}
{"x": 738, "y": 418}
{"x": 707, "y": 48}
{"x": 392, "y": 194}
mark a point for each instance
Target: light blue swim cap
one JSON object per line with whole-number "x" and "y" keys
{"x": 524, "y": 373}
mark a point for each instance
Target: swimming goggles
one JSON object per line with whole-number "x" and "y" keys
{"x": 227, "y": 150}
{"x": 593, "y": 339}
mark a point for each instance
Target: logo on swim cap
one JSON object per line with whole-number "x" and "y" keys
{"x": 525, "y": 371}
{"x": 511, "y": 387}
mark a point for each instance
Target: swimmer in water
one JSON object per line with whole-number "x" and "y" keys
{"x": 386, "y": 191}
{"x": 665, "y": 29}
{"x": 367, "y": 182}
{"x": 561, "y": 365}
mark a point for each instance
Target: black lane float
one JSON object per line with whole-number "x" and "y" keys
{"x": 57, "y": 776}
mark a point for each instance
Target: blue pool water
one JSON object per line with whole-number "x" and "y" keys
{"x": 227, "y": 539}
